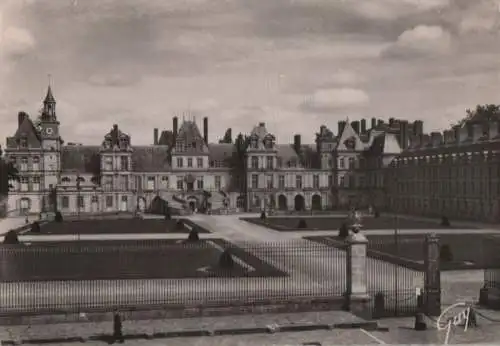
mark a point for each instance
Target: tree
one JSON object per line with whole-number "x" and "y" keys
{"x": 482, "y": 113}
{"x": 237, "y": 164}
{"x": 8, "y": 171}
{"x": 228, "y": 138}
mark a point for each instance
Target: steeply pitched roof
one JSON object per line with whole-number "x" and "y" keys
{"x": 220, "y": 152}
{"x": 27, "y": 129}
{"x": 153, "y": 158}
{"x": 166, "y": 138}
{"x": 81, "y": 158}
{"x": 49, "y": 98}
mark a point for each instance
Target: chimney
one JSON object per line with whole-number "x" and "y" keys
{"x": 205, "y": 129}
{"x": 418, "y": 127}
{"x": 20, "y": 118}
{"x": 355, "y": 126}
{"x": 115, "y": 127}
{"x": 379, "y": 122}
{"x": 374, "y": 123}
{"x": 297, "y": 143}
{"x": 175, "y": 126}
{"x": 391, "y": 122}
{"x": 403, "y": 134}
{"x": 436, "y": 139}
{"x": 262, "y": 124}
{"x": 155, "y": 136}
{"x": 363, "y": 126}
{"x": 341, "y": 125}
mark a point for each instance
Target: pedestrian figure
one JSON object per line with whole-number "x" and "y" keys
{"x": 472, "y": 318}
{"x": 117, "y": 329}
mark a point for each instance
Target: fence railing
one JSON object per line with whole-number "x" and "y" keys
{"x": 79, "y": 277}
{"x": 491, "y": 261}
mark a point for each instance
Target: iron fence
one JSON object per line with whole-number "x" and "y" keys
{"x": 79, "y": 277}
{"x": 396, "y": 271}
{"x": 491, "y": 261}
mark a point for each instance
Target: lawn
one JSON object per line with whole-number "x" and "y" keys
{"x": 289, "y": 224}
{"x": 467, "y": 250}
{"x": 116, "y": 226}
{"x": 114, "y": 260}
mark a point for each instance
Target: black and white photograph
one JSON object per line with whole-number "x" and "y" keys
{"x": 249, "y": 172}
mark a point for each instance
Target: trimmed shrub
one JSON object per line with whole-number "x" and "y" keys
{"x": 58, "y": 217}
{"x": 179, "y": 226}
{"x": 445, "y": 222}
{"x": 193, "y": 235}
{"x": 343, "y": 231}
{"x": 302, "y": 224}
{"x": 35, "y": 227}
{"x": 226, "y": 261}
{"x": 11, "y": 238}
{"x": 263, "y": 215}
{"x": 445, "y": 254}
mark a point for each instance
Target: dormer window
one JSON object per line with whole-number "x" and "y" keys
{"x": 24, "y": 142}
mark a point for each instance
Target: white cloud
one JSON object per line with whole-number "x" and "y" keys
{"x": 392, "y": 9}
{"x": 324, "y": 100}
{"x": 114, "y": 80}
{"x": 346, "y": 77}
{"x": 484, "y": 18}
{"x": 421, "y": 40}
{"x": 16, "y": 42}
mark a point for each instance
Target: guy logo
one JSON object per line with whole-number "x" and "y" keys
{"x": 458, "y": 319}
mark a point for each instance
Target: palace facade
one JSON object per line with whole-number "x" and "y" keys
{"x": 183, "y": 168}
{"x": 453, "y": 174}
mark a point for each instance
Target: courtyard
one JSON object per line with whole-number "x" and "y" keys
{"x": 117, "y": 226}
{"x": 291, "y": 224}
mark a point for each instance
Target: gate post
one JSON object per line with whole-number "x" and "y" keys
{"x": 357, "y": 292}
{"x": 432, "y": 288}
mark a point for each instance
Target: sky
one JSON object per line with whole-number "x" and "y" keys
{"x": 293, "y": 64}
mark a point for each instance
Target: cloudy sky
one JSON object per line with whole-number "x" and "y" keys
{"x": 294, "y": 64}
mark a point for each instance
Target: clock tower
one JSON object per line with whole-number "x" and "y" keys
{"x": 48, "y": 129}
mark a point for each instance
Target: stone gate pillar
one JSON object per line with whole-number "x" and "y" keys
{"x": 432, "y": 285}
{"x": 357, "y": 289}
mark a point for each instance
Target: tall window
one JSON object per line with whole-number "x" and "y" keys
{"x": 36, "y": 163}
{"x": 255, "y": 181}
{"x": 108, "y": 163}
{"x": 65, "y": 202}
{"x": 270, "y": 162}
{"x": 36, "y": 183}
{"x": 190, "y": 162}
{"x": 24, "y": 163}
{"x": 164, "y": 181}
{"x": 124, "y": 163}
{"x": 200, "y": 184}
{"x": 24, "y": 142}
{"x": 255, "y": 162}
{"x": 281, "y": 182}
{"x": 351, "y": 163}
{"x": 270, "y": 181}
{"x": 81, "y": 202}
{"x": 109, "y": 201}
{"x": 180, "y": 183}
{"x": 107, "y": 182}
{"x": 298, "y": 181}
{"x": 199, "y": 162}
{"x": 341, "y": 163}
{"x": 24, "y": 183}
{"x": 151, "y": 183}
{"x": 316, "y": 181}
{"x": 180, "y": 162}
{"x": 330, "y": 180}
{"x": 217, "y": 182}
{"x": 124, "y": 183}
